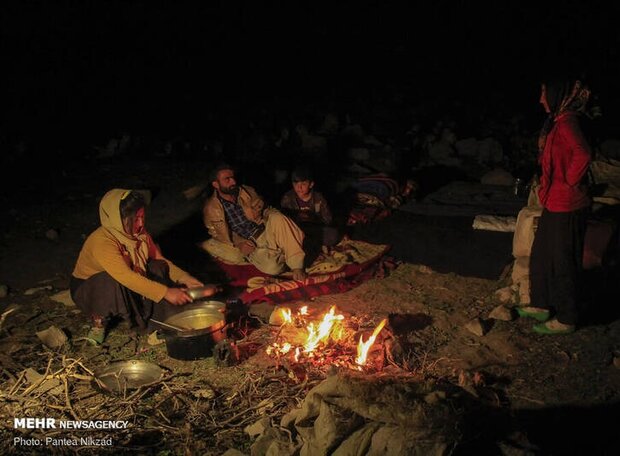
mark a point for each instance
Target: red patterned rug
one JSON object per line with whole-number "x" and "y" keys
{"x": 346, "y": 266}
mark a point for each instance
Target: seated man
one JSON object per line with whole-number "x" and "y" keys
{"x": 120, "y": 271}
{"x": 309, "y": 208}
{"x": 242, "y": 228}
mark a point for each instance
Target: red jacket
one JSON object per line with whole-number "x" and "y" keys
{"x": 564, "y": 161}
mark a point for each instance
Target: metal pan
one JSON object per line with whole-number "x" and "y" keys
{"x": 125, "y": 375}
{"x": 204, "y": 325}
{"x": 198, "y": 318}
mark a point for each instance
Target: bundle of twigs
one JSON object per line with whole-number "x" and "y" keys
{"x": 176, "y": 411}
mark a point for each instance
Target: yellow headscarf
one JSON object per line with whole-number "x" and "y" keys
{"x": 134, "y": 248}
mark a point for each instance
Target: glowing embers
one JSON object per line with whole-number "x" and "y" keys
{"x": 320, "y": 341}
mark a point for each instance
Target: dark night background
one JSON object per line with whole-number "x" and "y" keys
{"x": 80, "y": 72}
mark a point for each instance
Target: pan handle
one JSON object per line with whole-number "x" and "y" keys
{"x": 168, "y": 325}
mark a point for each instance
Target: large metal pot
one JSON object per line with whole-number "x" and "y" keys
{"x": 202, "y": 325}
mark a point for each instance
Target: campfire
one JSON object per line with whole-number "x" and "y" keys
{"x": 328, "y": 339}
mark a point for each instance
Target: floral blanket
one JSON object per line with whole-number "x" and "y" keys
{"x": 344, "y": 267}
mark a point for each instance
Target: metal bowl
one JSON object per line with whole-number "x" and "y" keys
{"x": 206, "y": 315}
{"x": 124, "y": 375}
{"x": 199, "y": 292}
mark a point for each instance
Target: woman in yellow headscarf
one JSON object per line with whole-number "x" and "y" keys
{"x": 120, "y": 271}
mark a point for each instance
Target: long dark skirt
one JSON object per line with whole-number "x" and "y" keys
{"x": 102, "y": 296}
{"x": 556, "y": 263}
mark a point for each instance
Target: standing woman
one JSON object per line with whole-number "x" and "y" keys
{"x": 557, "y": 252}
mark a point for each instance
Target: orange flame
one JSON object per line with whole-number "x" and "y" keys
{"x": 322, "y": 331}
{"x": 286, "y": 315}
{"x": 325, "y": 330}
{"x": 363, "y": 347}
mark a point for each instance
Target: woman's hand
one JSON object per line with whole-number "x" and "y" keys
{"x": 177, "y": 296}
{"x": 210, "y": 290}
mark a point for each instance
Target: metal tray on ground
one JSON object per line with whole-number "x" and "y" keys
{"x": 121, "y": 376}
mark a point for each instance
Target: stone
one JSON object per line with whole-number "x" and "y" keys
{"x": 52, "y": 337}
{"x": 6, "y": 312}
{"x": 35, "y": 290}
{"x": 52, "y": 234}
{"x": 504, "y": 294}
{"x": 490, "y": 151}
{"x": 153, "y": 340}
{"x": 268, "y": 444}
{"x": 281, "y": 448}
{"x": 258, "y": 428}
{"x": 443, "y": 153}
{"x": 203, "y": 393}
{"x": 277, "y": 317}
{"x": 354, "y": 133}
{"x": 64, "y": 298}
{"x": 194, "y": 192}
{"x": 502, "y": 313}
{"x": 50, "y": 385}
{"x": 262, "y": 310}
{"x": 288, "y": 420}
{"x": 233, "y": 452}
{"x": 467, "y": 147}
{"x": 498, "y": 176}
{"x": 434, "y": 397}
{"x": 331, "y": 124}
{"x": 359, "y": 153}
{"x": 370, "y": 140}
{"x": 477, "y": 326}
{"x": 425, "y": 269}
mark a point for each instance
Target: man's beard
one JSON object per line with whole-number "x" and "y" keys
{"x": 234, "y": 191}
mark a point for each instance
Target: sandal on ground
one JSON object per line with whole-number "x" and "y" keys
{"x": 537, "y": 313}
{"x": 96, "y": 335}
{"x": 553, "y": 327}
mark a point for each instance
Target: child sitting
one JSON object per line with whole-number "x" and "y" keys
{"x": 309, "y": 208}
{"x": 303, "y": 204}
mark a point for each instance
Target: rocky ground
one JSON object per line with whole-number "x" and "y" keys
{"x": 531, "y": 394}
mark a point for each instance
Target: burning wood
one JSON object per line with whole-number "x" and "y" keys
{"x": 323, "y": 331}
{"x": 322, "y": 341}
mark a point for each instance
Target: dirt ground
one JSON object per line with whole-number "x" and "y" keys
{"x": 543, "y": 395}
